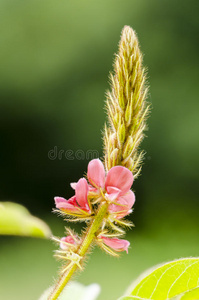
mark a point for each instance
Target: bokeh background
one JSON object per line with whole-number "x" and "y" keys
{"x": 55, "y": 60}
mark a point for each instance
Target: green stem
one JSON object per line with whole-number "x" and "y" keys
{"x": 90, "y": 235}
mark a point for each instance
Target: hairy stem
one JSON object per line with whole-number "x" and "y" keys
{"x": 89, "y": 237}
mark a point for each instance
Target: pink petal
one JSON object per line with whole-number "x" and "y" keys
{"x": 112, "y": 193}
{"x": 92, "y": 189}
{"x": 119, "y": 177}
{"x": 68, "y": 205}
{"x": 96, "y": 173}
{"x": 59, "y": 200}
{"x": 73, "y": 185}
{"x": 72, "y": 201}
{"x": 69, "y": 240}
{"x": 81, "y": 193}
{"x": 116, "y": 244}
{"x": 127, "y": 202}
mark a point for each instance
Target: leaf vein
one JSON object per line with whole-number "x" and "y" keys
{"x": 160, "y": 279}
{"x": 180, "y": 277}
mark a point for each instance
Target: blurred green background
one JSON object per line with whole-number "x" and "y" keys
{"x": 55, "y": 60}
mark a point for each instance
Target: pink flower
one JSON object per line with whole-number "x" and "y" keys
{"x": 116, "y": 186}
{"x": 77, "y": 204}
{"x": 125, "y": 204}
{"x": 116, "y": 244}
{"x": 66, "y": 242}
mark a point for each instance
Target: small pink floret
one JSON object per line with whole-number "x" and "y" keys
{"x": 119, "y": 177}
{"x": 66, "y": 241}
{"x": 125, "y": 204}
{"x": 115, "y": 185}
{"x": 64, "y": 204}
{"x": 78, "y": 202}
{"x": 116, "y": 244}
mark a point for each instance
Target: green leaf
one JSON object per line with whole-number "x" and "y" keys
{"x": 132, "y": 298}
{"x": 76, "y": 291}
{"x": 15, "y": 219}
{"x": 191, "y": 295}
{"x": 170, "y": 280}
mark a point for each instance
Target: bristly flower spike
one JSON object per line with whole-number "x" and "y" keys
{"x": 127, "y": 108}
{"x": 105, "y": 199}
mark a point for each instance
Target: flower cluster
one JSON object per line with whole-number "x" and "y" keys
{"x": 112, "y": 188}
